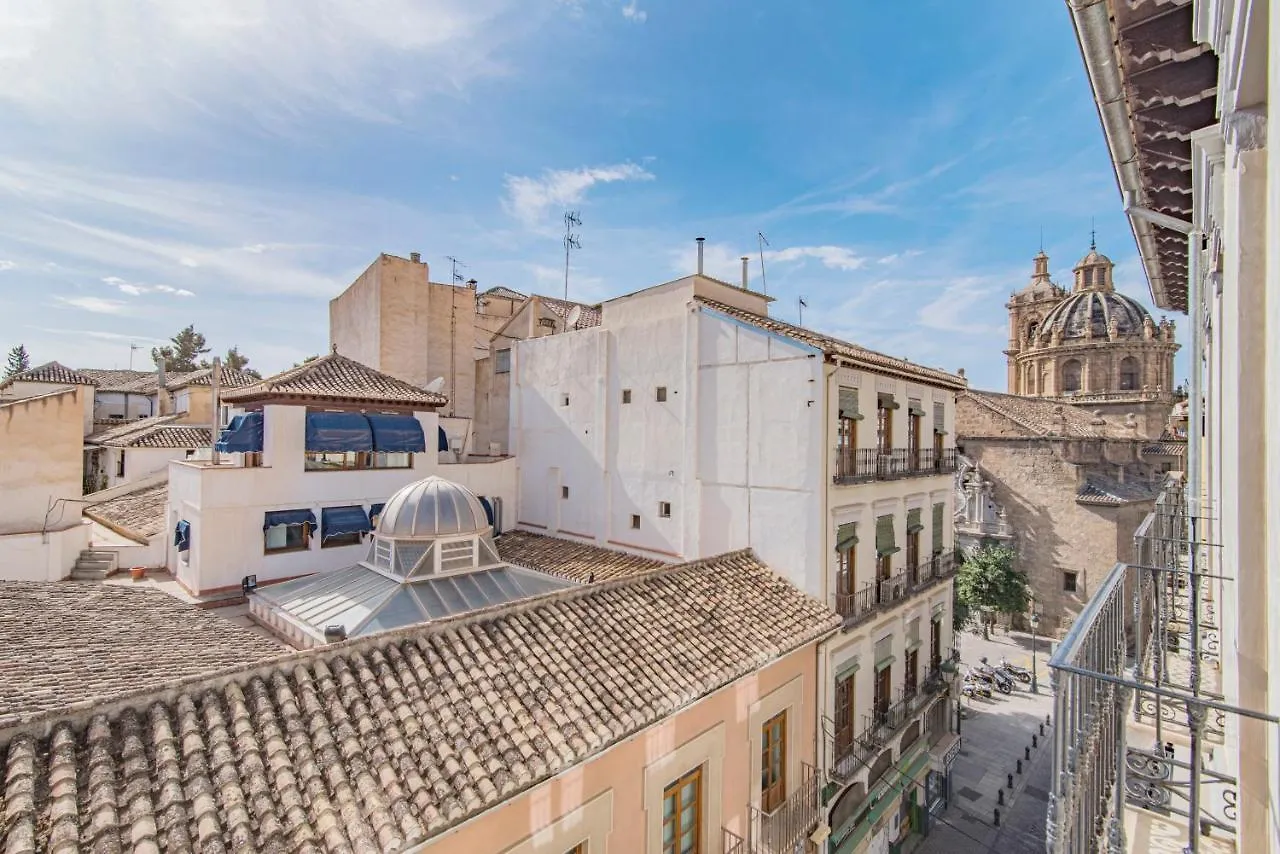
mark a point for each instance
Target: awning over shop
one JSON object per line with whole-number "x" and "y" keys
{"x": 276, "y": 518}
{"x": 182, "y": 535}
{"x": 338, "y": 432}
{"x": 243, "y": 435}
{"x": 336, "y": 521}
{"x": 397, "y": 433}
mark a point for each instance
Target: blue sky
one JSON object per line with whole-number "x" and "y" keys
{"x": 235, "y": 165}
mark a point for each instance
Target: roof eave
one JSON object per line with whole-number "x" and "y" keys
{"x": 267, "y": 398}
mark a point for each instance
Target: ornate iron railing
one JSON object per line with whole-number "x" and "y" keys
{"x": 778, "y": 831}
{"x": 733, "y": 843}
{"x": 857, "y": 465}
{"x": 854, "y": 465}
{"x": 872, "y": 597}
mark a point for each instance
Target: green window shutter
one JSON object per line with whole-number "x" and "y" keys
{"x": 846, "y": 536}
{"x": 914, "y": 407}
{"x": 849, "y": 404}
{"x": 913, "y": 634}
{"x": 939, "y": 510}
{"x": 939, "y": 418}
{"x": 885, "y": 400}
{"x": 884, "y": 652}
{"x": 914, "y": 525}
{"x": 847, "y": 669}
{"x": 884, "y": 536}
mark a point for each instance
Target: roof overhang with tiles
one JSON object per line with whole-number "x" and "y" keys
{"x": 1155, "y": 85}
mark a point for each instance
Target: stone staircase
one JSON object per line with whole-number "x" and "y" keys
{"x": 94, "y": 565}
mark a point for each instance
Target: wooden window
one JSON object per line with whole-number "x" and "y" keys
{"x": 661, "y": 394}
{"x": 635, "y": 521}
{"x": 912, "y": 667}
{"x": 884, "y": 688}
{"x": 287, "y": 538}
{"x": 682, "y": 815}
{"x": 846, "y": 561}
{"x": 773, "y": 762}
{"x": 626, "y": 395}
{"x": 846, "y": 435}
{"x": 913, "y": 437}
{"x": 935, "y": 643}
{"x": 580, "y": 848}
{"x": 1069, "y": 580}
{"x": 884, "y": 429}
{"x": 664, "y": 509}
{"x": 845, "y": 711}
{"x": 502, "y": 361}
{"x": 913, "y": 548}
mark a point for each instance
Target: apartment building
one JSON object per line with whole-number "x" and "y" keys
{"x": 1183, "y": 92}
{"x": 689, "y": 423}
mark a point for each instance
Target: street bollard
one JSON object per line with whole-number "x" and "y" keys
{"x": 1026, "y": 753}
{"x": 1042, "y": 729}
{"x": 1034, "y": 742}
{"x": 1000, "y": 796}
{"x": 1019, "y": 766}
{"x": 1047, "y": 720}
{"x": 1010, "y": 781}
{"x": 997, "y": 817}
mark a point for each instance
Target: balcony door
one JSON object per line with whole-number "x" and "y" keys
{"x": 937, "y": 450}
{"x": 913, "y": 675}
{"x": 913, "y": 441}
{"x": 913, "y": 553}
{"x": 845, "y": 571}
{"x": 883, "y": 691}
{"x": 935, "y": 644}
{"x": 884, "y": 429}
{"x": 773, "y": 762}
{"x": 844, "y": 713}
{"x": 883, "y": 568}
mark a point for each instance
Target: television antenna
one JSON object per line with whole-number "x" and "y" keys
{"x": 571, "y": 219}
{"x": 763, "y": 242}
{"x": 801, "y": 305}
{"x": 455, "y": 277}
{"x": 132, "y": 348}
{"x": 575, "y": 314}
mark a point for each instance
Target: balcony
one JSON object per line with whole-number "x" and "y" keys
{"x": 862, "y": 465}
{"x": 780, "y": 830}
{"x": 848, "y": 756}
{"x": 881, "y": 595}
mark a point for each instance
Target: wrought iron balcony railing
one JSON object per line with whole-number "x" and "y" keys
{"x": 858, "y": 465}
{"x": 849, "y": 753}
{"x": 872, "y": 597}
{"x": 779, "y": 830}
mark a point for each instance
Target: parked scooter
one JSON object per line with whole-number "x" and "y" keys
{"x": 1022, "y": 674}
{"x": 1003, "y": 683}
{"x": 974, "y": 686}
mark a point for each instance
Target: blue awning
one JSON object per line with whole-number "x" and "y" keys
{"x": 397, "y": 433}
{"x": 375, "y": 510}
{"x": 335, "y": 521}
{"x": 182, "y": 535}
{"x": 488, "y": 508}
{"x": 243, "y": 434}
{"x": 444, "y": 440}
{"x": 338, "y": 431}
{"x": 275, "y": 518}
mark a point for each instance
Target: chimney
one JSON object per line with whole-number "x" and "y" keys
{"x": 415, "y": 257}
{"x": 162, "y": 396}
{"x": 701, "y": 242}
{"x": 746, "y": 276}
{"x": 215, "y": 377}
{"x": 471, "y": 283}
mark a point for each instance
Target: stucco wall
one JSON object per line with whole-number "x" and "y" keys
{"x": 42, "y": 557}
{"x": 726, "y": 721}
{"x": 30, "y": 389}
{"x": 139, "y": 463}
{"x": 41, "y": 460}
{"x": 109, "y": 404}
{"x": 353, "y": 316}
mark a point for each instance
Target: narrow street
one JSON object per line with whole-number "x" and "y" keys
{"x": 996, "y": 734}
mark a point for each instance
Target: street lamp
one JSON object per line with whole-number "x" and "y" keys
{"x": 1035, "y": 621}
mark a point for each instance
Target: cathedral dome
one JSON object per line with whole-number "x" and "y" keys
{"x": 431, "y": 508}
{"x": 1094, "y": 311}
{"x": 1093, "y": 259}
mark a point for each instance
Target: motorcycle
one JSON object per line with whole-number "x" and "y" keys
{"x": 974, "y": 686}
{"x": 1002, "y": 680}
{"x": 1022, "y": 674}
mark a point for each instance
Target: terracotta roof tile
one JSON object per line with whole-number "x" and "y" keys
{"x": 120, "y": 429}
{"x": 1166, "y": 449}
{"x": 504, "y": 292}
{"x": 140, "y": 514}
{"x": 1104, "y": 490}
{"x": 159, "y": 431}
{"x": 228, "y": 379}
{"x": 567, "y": 559}
{"x": 65, "y": 643}
{"x": 587, "y": 318}
{"x": 1040, "y": 417}
{"x": 122, "y": 380}
{"x": 379, "y": 743}
{"x": 51, "y": 372}
{"x": 336, "y": 378}
{"x": 867, "y": 359}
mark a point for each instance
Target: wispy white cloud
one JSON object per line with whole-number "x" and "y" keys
{"x": 834, "y": 257}
{"x": 99, "y": 334}
{"x": 136, "y": 290}
{"x": 951, "y": 310}
{"x": 97, "y": 305}
{"x": 633, "y": 12}
{"x": 6, "y": 265}
{"x": 531, "y": 199}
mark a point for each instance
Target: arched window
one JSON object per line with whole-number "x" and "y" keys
{"x": 1128, "y": 374}
{"x": 1030, "y": 379}
{"x": 1071, "y": 376}
{"x": 1033, "y": 328}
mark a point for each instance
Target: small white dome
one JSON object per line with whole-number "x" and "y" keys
{"x": 432, "y": 508}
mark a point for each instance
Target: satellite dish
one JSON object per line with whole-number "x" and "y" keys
{"x": 575, "y": 314}
{"x": 436, "y": 384}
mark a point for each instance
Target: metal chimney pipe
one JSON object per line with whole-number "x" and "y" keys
{"x": 746, "y": 276}
{"x": 701, "y": 242}
{"x": 214, "y": 381}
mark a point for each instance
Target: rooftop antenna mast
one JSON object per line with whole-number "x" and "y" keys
{"x": 132, "y": 348}
{"x": 571, "y": 219}
{"x": 455, "y": 275}
{"x": 801, "y": 305}
{"x": 764, "y": 284}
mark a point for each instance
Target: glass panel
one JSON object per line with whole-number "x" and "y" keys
{"x": 401, "y": 610}
{"x": 408, "y": 555}
{"x": 484, "y": 580}
{"x": 431, "y": 600}
{"x": 470, "y": 591}
{"x": 447, "y": 513}
{"x": 276, "y": 537}
{"x": 449, "y": 593}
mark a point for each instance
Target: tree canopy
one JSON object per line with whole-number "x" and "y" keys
{"x": 988, "y": 581}
{"x": 238, "y": 362}
{"x": 184, "y": 353}
{"x": 19, "y": 361}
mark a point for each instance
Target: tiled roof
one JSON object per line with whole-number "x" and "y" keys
{"x": 867, "y": 359}
{"x": 121, "y": 380}
{"x": 334, "y": 377}
{"x": 139, "y": 514}
{"x": 504, "y": 292}
{"x": 589, "y": 317}
{"x": 1166, "y": 449}
{"x": 159, "y": 431}
{"x": 52, "y": 372}
{"x": 66, "y": 644}
{"x": 566, "y": 559}
{"x": 378, "y": 743}
{"x": 1103, "y": 490}
{"x": 119, "y": 430}
{"x": 228, "y": 379}
{"x": 1039, "y": 417}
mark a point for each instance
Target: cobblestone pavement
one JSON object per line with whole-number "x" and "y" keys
{"x": 995, "y": 734}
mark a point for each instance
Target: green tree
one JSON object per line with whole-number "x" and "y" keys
{"x": 184, "y": 354}
{"x": 237, "y": 362}
{"x": 989, "y": 583}
{"x": 19, "y": 361}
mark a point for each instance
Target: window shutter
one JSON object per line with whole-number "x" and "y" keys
{"x": 914, "y": 407}
{"x": 914, "y": 525}
{"x": 940, "y": 418}
{"x": 849, "y": 404}
{"x": 884, "y": 652}
{"x": 846, "y": 536}
{"x": 913, "y": 634}
{"x": 884, "y": 536}
{"x": 939, "y": 511}
{"x": 847, "y": 669}
{"x": 885, "y": 400}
